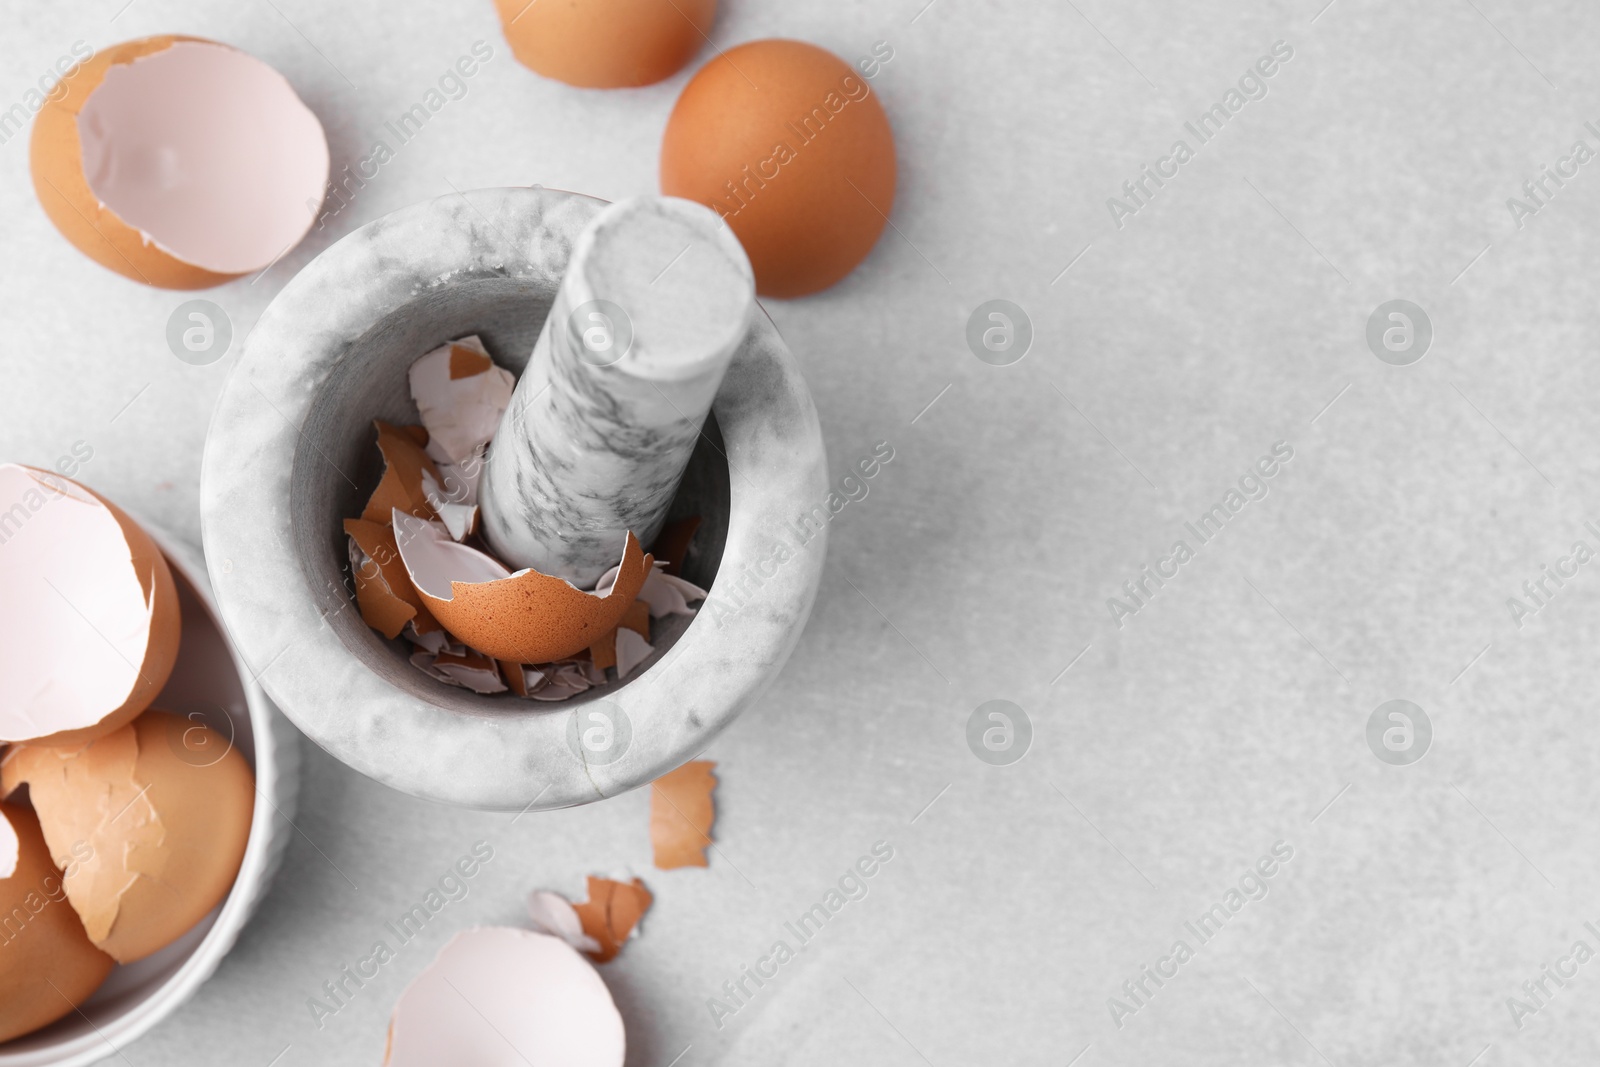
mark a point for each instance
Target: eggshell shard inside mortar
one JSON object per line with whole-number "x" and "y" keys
{"x": 384, "y": 592}
{"x": 47, "y": 964}
{"x": 92, "y": 624}
{"x": 179, "y": 162}
{"x": 494, "y": 987}
{"x": 153, "y": 824}
{"x": 790, "y": 145}
{"x": 461, "y": 396}
{"x": 526, "y": 617}
{"x": 606, "y": 44}
{"x": 406, "y": 467}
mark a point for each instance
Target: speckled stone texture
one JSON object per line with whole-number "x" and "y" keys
{"x": 290, "y": 454}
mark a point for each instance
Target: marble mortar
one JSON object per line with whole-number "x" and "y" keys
{"x": 290, "y": 453}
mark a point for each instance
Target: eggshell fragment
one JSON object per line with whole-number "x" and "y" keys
{"x": 632, "y": 650}
{"x": 603, "y": 653}
{"x": 178, "y": 162}
{"x": 526, "y": 617}
{"x": 611, "y": 914}
{"x": 790, "y": 145}
{"x": 606, "y": 44}
{"x": 498, "y": 995}
{"x": 554, "y": 914}
{"x": 47, "y": 965}
{"x": 423, "y": 661}
{"x": 405, "y": 463}
{"x": 668, "y": 594}
{"x": 459, "y": 519}
{"x": 470, "y": 670}
{"x": 672, "y": 543}
{"x": 91, "y": 626}
{"x": 516, "y": 677}
{"x": 434, "y": 641}
{"x": 461, "y": 395}
{"x": 10, "y": 846}
{"x": 637, "y": 618}
{"x": 625, "y": 654}
{"x": 165, "y": 834}
{"x": 559, "y": 685}
{"x": 681, "y": 813}
{"x": 384, "y": 592}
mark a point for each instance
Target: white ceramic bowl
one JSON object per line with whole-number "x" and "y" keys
{"x": 210, "y": 683}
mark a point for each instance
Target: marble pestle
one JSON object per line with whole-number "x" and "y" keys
{"x": 656, "y": 298}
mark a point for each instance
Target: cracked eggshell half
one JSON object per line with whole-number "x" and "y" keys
{"x": 164, "y": 829}
{"x": 179, "y": 162}
{"x": 45, "y": 944}
{"x": 526, "y": 617}
{"x": 92, "y": 629}
{"x": 534, "y": 991}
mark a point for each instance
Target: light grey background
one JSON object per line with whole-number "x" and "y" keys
{"x": 1227, "y": 715}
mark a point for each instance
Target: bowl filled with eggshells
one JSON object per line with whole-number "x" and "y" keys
{"x": 145, "y": 780}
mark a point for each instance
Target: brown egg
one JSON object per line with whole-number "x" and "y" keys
{"x": 163, "y": 806}
{"x": 790, "y": 145}
{"x": 178, "y": 162}
{"x": 93, "y": 631}
{"x": 47, "y": 965}
{"x": 606, "y": 44}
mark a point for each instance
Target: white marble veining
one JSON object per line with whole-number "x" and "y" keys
{"x": 657, "y": 298}
{"x": 283, "y": 465}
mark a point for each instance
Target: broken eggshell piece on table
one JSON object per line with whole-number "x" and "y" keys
{"x": 93, "y": 629}
{"x": 597, "y": 927}
{"x": 494, "y": 986}
{"x": 681, "y": 814}
{"x": 179, "y": 162}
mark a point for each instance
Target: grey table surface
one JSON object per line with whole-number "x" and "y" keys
{"x": 1172, "y": 748}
